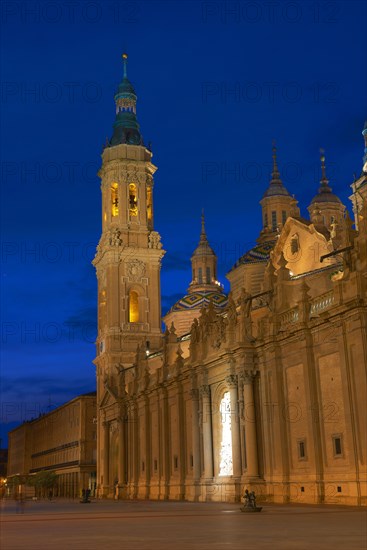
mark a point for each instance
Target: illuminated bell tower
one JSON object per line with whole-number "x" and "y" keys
{"x": 129, "y": 252}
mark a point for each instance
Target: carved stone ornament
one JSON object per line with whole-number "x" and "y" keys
{"x": 231, "y": 381}
{"x": 141, "y": 177}
{"x": 247, "y": 377}
{"x": 205, "y": 391}
{"x": 114, "y": 237}
{"x": 135, "y": 269}
{"x": 154, "y": 240}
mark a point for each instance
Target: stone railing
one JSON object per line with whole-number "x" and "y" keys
{"x": 322, "y": 302}
{"x": 135, "y": 327}
{"x": 289, "y": 317}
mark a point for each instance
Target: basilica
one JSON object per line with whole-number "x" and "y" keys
{"x": 263, "y": 388}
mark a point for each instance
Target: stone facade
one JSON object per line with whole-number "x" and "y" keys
{"x": 63, "y": 441}
{"x": 267, "y": 392}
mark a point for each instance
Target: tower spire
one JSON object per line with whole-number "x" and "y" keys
{"x": 203, "y": 236}
{"x": 324, "y": 187}
{"x": 275, "y": 175}
{"x": 126, "y": 128}
{"x": 124, "y": 59}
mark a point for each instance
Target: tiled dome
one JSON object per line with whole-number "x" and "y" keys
{"x": 200, "y": 299}
{"x": 260, "y": 253}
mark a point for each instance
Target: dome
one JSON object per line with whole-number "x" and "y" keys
{"x": 260, "y": 253}
{"x": 325, "y": 196}
{"x": 203, "y": 249}
{"x": 275, "y": 189}
{"x": 126, "y": 129}
{"x": 325, "y": 193}
{"x": 276, "y": 186}
{"x": 125, "y": 89}
{"x": 200, "y": 299}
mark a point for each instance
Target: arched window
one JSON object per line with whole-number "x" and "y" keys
{"x": 294, "y": 244}
{"x": 266, "y": 221}
{"x": 133, "y": 200}
{"x": 273, "y": 220}
{"x": 149, "y": 204}
{"x": 133, "y": 307}
{"x": 226, "y": 460}
{"x": 114, "y": 199}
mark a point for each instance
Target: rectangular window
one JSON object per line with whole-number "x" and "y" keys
{"x": 200, "y": 276}
{"x": 143, "y": 466}
{"x": 175, "y": 462}
{"x": 301, "y": 449}
{"x": 191, "y": 461}
{"x": 155, "y": 465}
{"x": 266, "y": 221}
{"x": 273, "y": 220}
{"x": 337, "y": 445}
{"x": 284, "y": 216}
{"x": 208, "y": 275}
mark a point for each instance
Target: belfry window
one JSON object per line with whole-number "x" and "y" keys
{"x": 114, "y": 199}
{"x": 266, "y": 221}
{"x": 200, "y": 275}
{"x": 133, "y": 307}
{"x": 226, "y": 460}
{"x": 273, "y": 220}
{"x": 133, "y": 200}
{"x": 149, "y": 204}
{"x": 208, "y": 275}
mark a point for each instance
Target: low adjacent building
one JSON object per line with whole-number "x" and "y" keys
{"x": 64, "y": 441}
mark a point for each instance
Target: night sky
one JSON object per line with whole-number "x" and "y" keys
{"x": 216, "y": 83}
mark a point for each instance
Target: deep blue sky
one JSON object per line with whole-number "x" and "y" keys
{"x": 216, "y": 83}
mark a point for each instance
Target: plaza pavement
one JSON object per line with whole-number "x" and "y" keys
{"x": 140, "y": 525}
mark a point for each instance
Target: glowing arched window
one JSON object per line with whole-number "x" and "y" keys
{"x": 226, "y": 461}
{"x": 149, "y": 204}
{"x": 133, "y": 200}
{"x": 133, "y": 307}
{"x": 114, "y": 199}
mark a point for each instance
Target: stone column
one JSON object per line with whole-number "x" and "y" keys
{"x": 250, "y": 425}
{"x": 106, "y": 456}
{"x": 207, "y": 431}
{"x": 121, "y": 452}
{"x": 195, "y": 434}
{"x": 235, "y": 425}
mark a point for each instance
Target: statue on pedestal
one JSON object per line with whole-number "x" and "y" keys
{"x": 249, "y": 499}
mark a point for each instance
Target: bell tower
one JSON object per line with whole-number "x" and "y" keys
{"x": 129, "y": 253}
